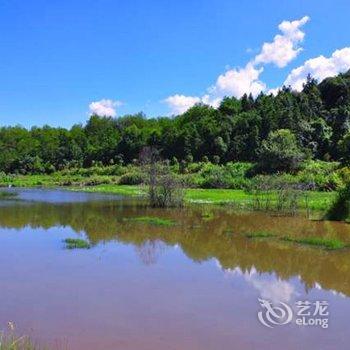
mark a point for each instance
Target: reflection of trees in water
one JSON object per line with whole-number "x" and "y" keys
{"x": 150, "y": 251}
{"x": 216, "y": 236}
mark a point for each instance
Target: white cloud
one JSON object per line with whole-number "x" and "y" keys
{"x": 180, "y": 103}
{"x": 234, "y": 82}
{"x": 320, "y": 68}
{"x": 274, "y": 92}
{"x": 104, "y": 108}
{"x": 284, "y": 47}
{"x": 211, "y": 100}
{"x": 238, "y": 81}
{"x": 269, "y": 286}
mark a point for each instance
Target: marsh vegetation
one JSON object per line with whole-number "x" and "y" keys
{"x": 151, "y": 220}
{"x": 340, "y": 208}
{"x": 76, "y": 243}
{"x": 318, "y": 242}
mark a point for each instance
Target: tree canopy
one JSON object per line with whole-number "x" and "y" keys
{"x": 313, "y": 123}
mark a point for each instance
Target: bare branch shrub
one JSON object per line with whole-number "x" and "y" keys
{"x": 165, "y": 189}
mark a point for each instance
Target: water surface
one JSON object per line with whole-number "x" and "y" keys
{"x": 195, "y": 285}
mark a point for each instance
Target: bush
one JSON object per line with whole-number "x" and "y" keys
{"x": 340, "y": 209}
{"x": 239, "y": 169}
{"x": 280, "y": 152}
{"x": 112, "y": 170}
{"x": 133, "y": 178}
{"x": 344, "y": 174}
{"x": 215, "y": 177}
{"x": 166, "y": 191}
{"x": 97, "y": 180}
{"x": 344, "y": 148}
{"x": 322, "y": 175}
{"x": 231, "y": 175}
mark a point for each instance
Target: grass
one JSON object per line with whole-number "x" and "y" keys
{"x": 5, "y": 194}
{"x": 13, "y": 342}
{"x": 55, "y": 179}
{"x": 262, "y": 234}
{"x": 76, "y": 243}
{"x": 216, "y": 196}
{"x": 152, "y": 220}
{"x": 124, "y": 190}
{"x": 319, "y": 242}
{"x": 329, "y": 244}
{"x": 318, "y": 201}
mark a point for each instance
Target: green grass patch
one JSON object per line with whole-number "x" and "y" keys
{"x": 318, "y": 201}
{"x": 261, "y": 234}
{"x": 123, "y": 190}
{"x": 76, "y": 243}
{"x": 216, "y": 196}
{"x": 152, "y": 220}
{"x": 325, "y": 243}
{"x": 329, "y": 244}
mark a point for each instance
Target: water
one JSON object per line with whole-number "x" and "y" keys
{"x": 195, "y": 285}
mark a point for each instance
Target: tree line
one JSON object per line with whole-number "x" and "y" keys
{"x": 274, "y": 131}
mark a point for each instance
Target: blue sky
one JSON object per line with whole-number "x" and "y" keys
{"x": 57, "y": 57}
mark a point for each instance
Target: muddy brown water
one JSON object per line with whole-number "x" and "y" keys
{"x": 195, "y": 285}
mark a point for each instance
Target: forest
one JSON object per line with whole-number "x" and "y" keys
{"x": 276, "y": 133}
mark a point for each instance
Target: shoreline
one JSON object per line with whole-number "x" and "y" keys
{"x": 317, "y": 200}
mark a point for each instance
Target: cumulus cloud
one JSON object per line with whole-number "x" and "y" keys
{"x": 104, "y": 108}
{"x": 269, "y": 286}
{"x": 320, "y": 68}
{"x": 284, "y": 47}
{"x": 273, "y": 92}
{"x": 180, "y": 103}
{"x": 234, "y": 82}
{"x": 238, "y": 81}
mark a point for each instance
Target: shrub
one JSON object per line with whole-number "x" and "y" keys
{"x": 344, "y": 174}
{"x": 231, "y": 175}
{"x": 165, "y": 189}
{"x": 344, "y": 148}
{"x": 239, "y": 169}
{"x": 340, "y": 209}
{"x": 196, "y": 167}
{"x": 272, "y": 193}
{"x": 133, "y": 178}
{"x": 280, "y": 152}
{"x": 214, "y": 176}
{"x": 216, "y": 159}
{"x": 97, "y": 180}
{"x": 322, "y": 175}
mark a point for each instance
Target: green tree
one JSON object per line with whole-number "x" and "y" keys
{"x": 344, "y": 148}
{"x": 280, "y": 152}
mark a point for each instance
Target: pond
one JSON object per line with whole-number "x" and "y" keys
{"x": 193, "y": 280}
